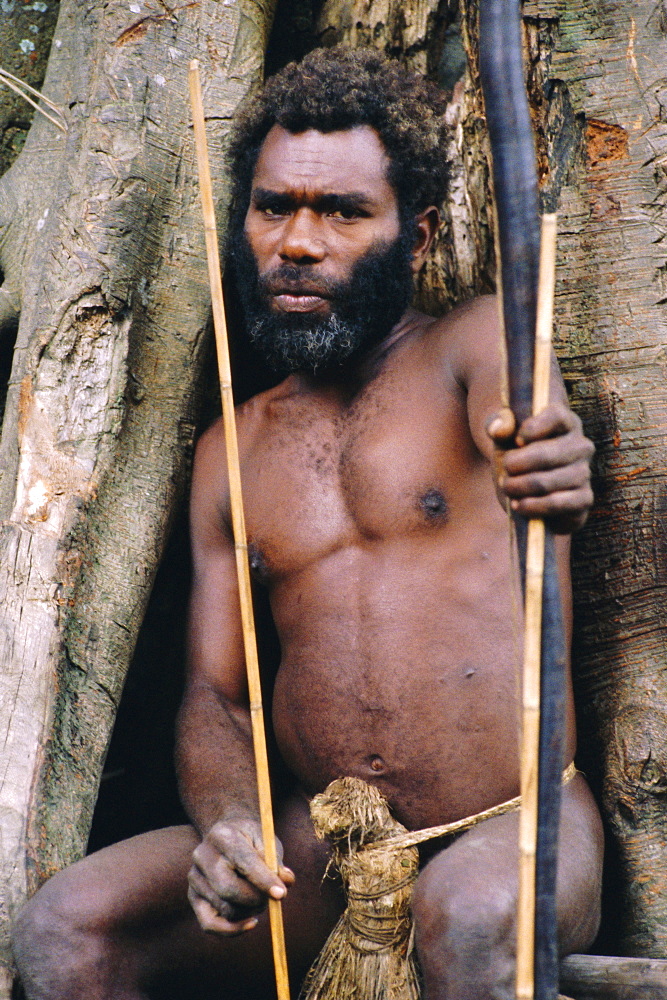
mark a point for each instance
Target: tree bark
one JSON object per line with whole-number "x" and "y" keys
{"x": 103, "y": 260}
{"x": 596, "y": 80}
{"x": 602, "y": 121}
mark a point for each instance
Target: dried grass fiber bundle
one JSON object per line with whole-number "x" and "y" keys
{"x": 370, "y": 953}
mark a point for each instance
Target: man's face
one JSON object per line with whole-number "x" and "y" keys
{"x": 323, "y": 266}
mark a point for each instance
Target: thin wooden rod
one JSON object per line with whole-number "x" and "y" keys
{"x": 238, "y": 525}
{"x": 24, "y": 90}
{"x": 530, "y": 738}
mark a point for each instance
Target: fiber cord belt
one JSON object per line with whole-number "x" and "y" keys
{"x": 458, "y": 826}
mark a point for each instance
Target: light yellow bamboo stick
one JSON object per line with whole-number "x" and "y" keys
{"x": 238, "y": 525}
{"x": 530, "y": 741}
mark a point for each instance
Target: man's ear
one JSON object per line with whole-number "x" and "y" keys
{"x": 426, "y": 226}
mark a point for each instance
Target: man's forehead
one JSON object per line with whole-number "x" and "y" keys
{"x": 351, "y": 159}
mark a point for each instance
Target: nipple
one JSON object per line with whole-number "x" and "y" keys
{"x": 434, "y": 505}
{"x": 257, "y": 562}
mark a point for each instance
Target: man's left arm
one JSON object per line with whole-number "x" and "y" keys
{"x": 543, "y": 466}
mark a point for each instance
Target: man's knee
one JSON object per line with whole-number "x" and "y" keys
{"x": 464, "y": 933}
{"x": 59, "y": 942}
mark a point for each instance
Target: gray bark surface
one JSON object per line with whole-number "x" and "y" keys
{"x": 600, "y": 977}
{"x": 595, "y": 73}
{"x": 605, "y": 138}
{"x": 103, "y": 257}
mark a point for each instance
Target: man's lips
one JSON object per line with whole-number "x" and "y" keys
{"x": 293, "y": 301}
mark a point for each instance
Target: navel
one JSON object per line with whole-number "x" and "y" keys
{"x": 434, "y": 506}
{"x": 377, "y": 765}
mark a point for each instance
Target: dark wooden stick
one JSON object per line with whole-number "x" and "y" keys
{"x": 238, "y": 525}
{"x": 517, "y": 212}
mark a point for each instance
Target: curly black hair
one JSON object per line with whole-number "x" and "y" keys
{"x": 339, "y": 88}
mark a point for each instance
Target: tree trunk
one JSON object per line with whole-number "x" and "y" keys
{"x": 103, "y": 259}
{"x": 26, "y": 32}
{"x": 602, "y": 119}
{"x": 596, "y": 80}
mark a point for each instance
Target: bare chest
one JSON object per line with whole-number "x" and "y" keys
{"x": 322, "y": 476}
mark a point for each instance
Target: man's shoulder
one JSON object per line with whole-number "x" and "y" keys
{"x": 467, "y": 336}
{"x": 250, "y": 417}
{"x": 474, "y": 320}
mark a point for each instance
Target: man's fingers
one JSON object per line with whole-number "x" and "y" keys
{"x": 228, "y": 850}
{"x": 235, "y": 900}
{"x": 549, "y": 480}
{"x": 286, "y": 875}
{"x": 203, "y": 888}
{"x": 257, "y": 872}
{"x": 565, "y": 512}
{"x": 210, "y": 920}
{"x": 229, "y": 881}
{"x": 548, "y": 474}
{"x": 565, "y": 502}
{"x": 224, "y": 881}
{"x": 501, "y": 427}
{"x": 552, "y": 453}
{"x": 554, "y": 420}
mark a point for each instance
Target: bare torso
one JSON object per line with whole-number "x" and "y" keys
{"x": 375, "y": 524}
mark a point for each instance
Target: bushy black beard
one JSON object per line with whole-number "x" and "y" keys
{"x": 363, "y": 309}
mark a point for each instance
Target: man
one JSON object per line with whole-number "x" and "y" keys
{"x": 375, "y": 524}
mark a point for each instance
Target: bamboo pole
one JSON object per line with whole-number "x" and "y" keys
{"x": 238, "y": 525}
{"x": 530, "y": 741}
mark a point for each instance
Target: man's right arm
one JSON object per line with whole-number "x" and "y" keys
{"x": 228, "y": 882}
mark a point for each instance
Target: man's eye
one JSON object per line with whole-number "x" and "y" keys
{"x": 271, "y": 209}
{"x": 344, "y": 213}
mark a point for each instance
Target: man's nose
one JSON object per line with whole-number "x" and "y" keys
{"x": 302, "y": 238}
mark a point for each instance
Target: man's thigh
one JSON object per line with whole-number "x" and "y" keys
{"x": 130, "y": 901}
{"x": 465, "y": 898}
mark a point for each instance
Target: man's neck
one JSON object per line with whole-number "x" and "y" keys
{"x": 351, "y": 379}
{"x": 407, "y": 324}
